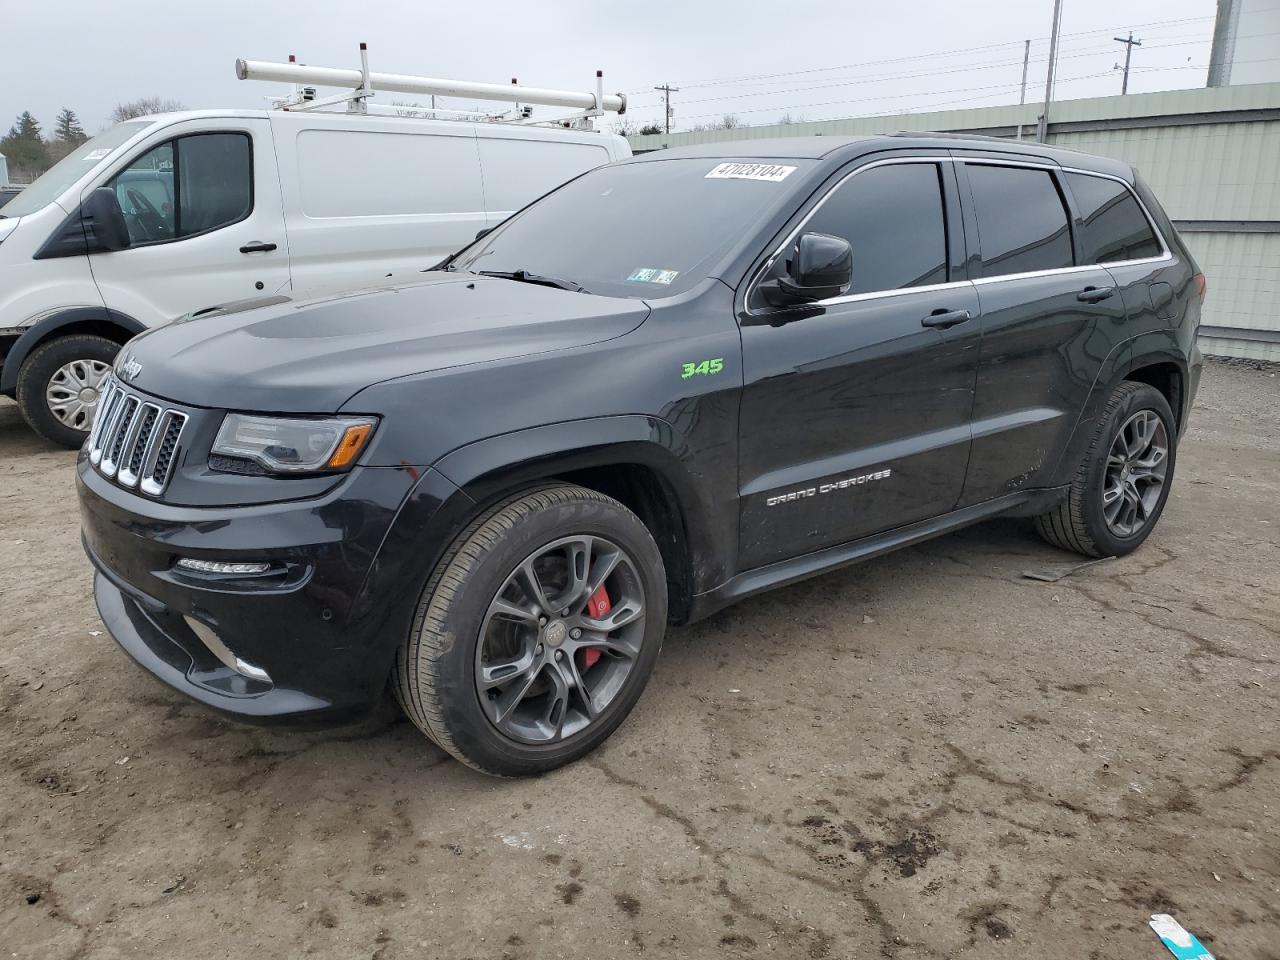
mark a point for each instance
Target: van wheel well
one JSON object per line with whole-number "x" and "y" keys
{"x": 97, "y": 327}
{"x": 1167, "y": 378}
{"x": 650, "y": 497}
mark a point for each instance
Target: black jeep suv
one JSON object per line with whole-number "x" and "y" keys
{"x": 667, "y": 385}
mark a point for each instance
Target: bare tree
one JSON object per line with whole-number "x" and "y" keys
{"x": 648, "y": 129}
{"x": 625, "y": 127}
{"x": 143, "y": 106}
{"x": 730, "y": 121}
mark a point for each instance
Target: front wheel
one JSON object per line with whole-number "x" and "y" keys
{"x": 536, "y": 633}
{"x": 59, "y": 383}
{"x": 1121, "y": 486}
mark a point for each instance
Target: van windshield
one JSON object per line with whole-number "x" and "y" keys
{"x": 53, "y": 182}
{"x": 644, "y": 230}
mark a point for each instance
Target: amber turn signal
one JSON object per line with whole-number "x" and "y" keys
{"x": 349, "y": 447}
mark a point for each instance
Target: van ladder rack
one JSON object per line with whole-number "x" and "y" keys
{"x": 361, "y": 84}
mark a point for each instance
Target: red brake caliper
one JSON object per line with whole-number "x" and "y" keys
{"x": 598, "y": 607}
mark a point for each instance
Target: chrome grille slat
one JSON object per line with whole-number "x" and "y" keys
{"x": 140, "y": 440}
{"x": 135, "y": 441}
{"x": 115, "y": 440}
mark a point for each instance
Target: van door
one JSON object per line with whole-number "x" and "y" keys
{"x": 204, "y": 217}
{"x": 367, "y": 197}
{"x": 521, "y": 165}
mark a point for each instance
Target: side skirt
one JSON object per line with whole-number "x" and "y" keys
{"x": 784, "y": 572}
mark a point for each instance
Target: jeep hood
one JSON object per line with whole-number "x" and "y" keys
{"x": 310, "y": 356}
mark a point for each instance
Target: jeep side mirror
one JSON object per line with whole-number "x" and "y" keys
{"x": 103, "y": 221}
{"x": 820, "y": 266}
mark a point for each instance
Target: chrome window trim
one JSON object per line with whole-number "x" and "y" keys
{"x": 852, "y": 297}
{"x": 1164, "y": 257}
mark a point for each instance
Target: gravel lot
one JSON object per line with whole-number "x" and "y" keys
{"x": 929, "y": 755}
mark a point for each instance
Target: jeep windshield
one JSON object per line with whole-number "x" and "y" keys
{"x": 648, "y": 229}
{"x": 53, "y": 182}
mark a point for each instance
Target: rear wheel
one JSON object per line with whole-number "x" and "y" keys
{"x": 59, "y": 383}
{"x": 536, "y": 633}
{"x": 1123, "y": 482}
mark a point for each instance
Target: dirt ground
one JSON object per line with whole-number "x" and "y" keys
{"x": 929, "y": 755}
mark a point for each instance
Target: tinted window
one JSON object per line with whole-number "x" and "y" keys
{"x": 893, "y": 218}
{"x": 214, "y": 187}
{"x": 648, "y": 229}
{"x": 1022, "y": 224}
{"x": 1113, "y": 225}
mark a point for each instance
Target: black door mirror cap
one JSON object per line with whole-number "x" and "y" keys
{"x": 103, "y": 222}
{"x": 821, "y": 266}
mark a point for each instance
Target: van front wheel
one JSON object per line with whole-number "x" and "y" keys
{"x": 59, "y": 383}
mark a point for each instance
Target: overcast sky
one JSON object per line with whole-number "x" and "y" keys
{"x": 815, "y": 59}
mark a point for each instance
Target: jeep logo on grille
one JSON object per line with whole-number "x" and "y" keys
{"x": 128, "y": 368}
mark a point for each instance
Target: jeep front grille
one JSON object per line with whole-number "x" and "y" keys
{"x": 134, "y": 441}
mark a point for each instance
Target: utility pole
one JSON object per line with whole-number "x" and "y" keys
{"x": 667, "y": 91}
{"x": 1053, "y": 65}
{"x": 1022, "y": 98}
{"x": 1128, "y": 51}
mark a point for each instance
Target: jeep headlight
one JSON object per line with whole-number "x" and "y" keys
{"x": 294, "y": 444}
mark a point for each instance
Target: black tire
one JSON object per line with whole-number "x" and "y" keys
{"x": 37, "y": 372}
{"x": 1079, "y": 523}
{"x": 434, "y": 677}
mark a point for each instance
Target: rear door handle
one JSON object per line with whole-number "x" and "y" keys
{"x": 1095, "y": 294}
{"x": 942, "y": 319}
{"x": 257, "y": 247}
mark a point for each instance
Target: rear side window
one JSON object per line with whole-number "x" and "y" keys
{"x": 1022, "y": 222}
{"x": 893, "y": 218}
{"x": 1113, "y": 226}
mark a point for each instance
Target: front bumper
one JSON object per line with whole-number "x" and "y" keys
{"x": 313, "y": 639}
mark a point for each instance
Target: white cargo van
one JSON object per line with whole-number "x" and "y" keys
{"x": 169, "y": 214}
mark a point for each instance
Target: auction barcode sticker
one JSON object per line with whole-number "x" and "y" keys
{"x": 772, "y": 172}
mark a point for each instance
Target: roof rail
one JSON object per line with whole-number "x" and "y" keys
{"x": 361, "y": 85}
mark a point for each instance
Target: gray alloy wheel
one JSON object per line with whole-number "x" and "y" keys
{"x": 72, "y": 392}
{"x": 559, "y": 639}
{"x": 1135, "y": 474}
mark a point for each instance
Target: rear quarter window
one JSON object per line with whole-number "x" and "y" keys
{"x": 1112, "y": 224}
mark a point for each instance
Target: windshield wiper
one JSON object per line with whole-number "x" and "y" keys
{"x": 524, "y": 276}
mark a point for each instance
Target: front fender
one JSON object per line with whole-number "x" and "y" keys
{"x": 101, "y": 318}
{"x": 488, "y": 468}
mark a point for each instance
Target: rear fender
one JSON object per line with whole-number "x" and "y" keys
{"x": 1144, "y": 350}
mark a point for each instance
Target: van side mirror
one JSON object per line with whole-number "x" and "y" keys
{"x": 103, "y": 221}
{"x": 96, "y": 227}
{"x": 820, "y": 266}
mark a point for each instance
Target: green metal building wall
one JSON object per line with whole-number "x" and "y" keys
{"x": 1212, "y": 155}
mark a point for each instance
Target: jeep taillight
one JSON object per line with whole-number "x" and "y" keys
{"x": 1202, "y": 285}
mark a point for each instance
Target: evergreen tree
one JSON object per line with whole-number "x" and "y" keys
{"x": 67, "y": 128}
{"x": 24, "y": 148}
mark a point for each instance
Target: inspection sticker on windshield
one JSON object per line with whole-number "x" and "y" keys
{"x": 653, "y": 275}
{"x": 772, "y": 172}
{"x": 97, "y": 154}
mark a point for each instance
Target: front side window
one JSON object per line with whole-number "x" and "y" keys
{"x": 893, "y": 218}
{"x": 1022, "y": 221}
{"x": 186, "y": 187}
{"x": 1113, "y": 226}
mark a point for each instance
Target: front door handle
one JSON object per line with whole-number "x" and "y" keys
{"x": 257, "y": 247}
{"x": 942, "y": 319}
{"x": 1095, "y": 294}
